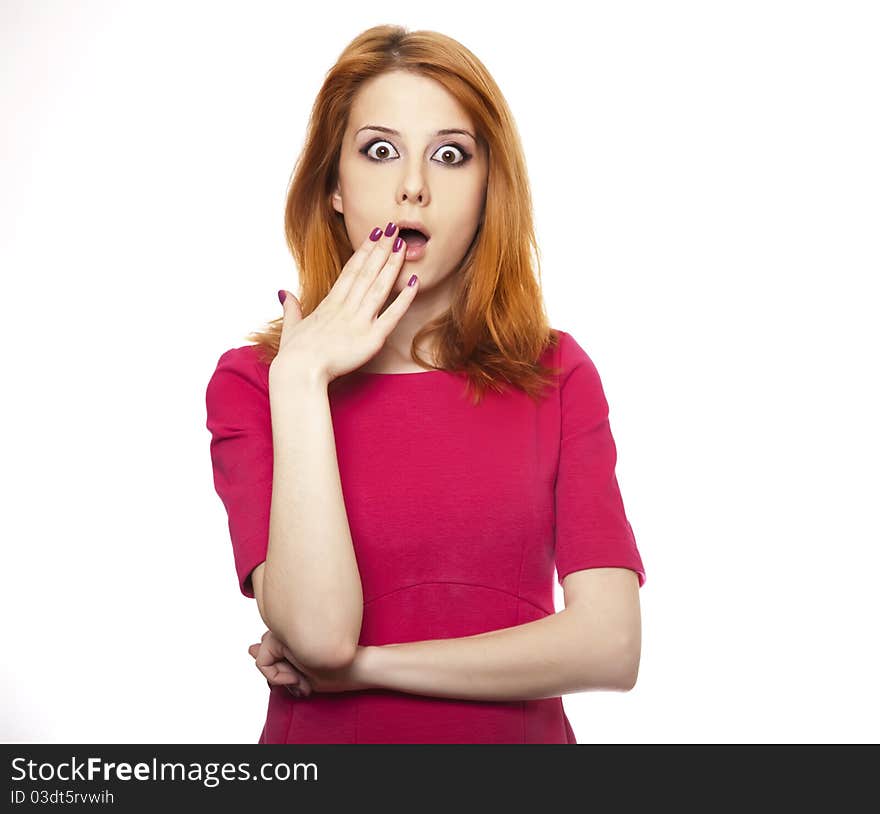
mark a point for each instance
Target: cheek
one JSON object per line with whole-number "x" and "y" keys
{"x": 470, "y": 199}
{"x": 464, "y": 220}
{"x": 363, "y": 210}
{"x": 361, "y": 194}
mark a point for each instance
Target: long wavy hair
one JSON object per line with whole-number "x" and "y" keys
{"x": 496, "y": 328}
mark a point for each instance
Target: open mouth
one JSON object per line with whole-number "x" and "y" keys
{"x": 414, "y": 237}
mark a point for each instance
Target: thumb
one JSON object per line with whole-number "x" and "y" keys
{"x": 288, "y": 300}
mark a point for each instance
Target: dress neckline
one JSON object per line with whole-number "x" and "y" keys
{"x": 406, "y": 373}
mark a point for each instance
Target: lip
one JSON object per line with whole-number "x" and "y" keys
{"x": 416, "y": 252}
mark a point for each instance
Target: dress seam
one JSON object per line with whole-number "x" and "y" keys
{"x": 288, "y": 724}
{"x": 458, "y": 582}
{"x": 522, "y": 559}
{"x": 357, "y": 718}
{"x": 559, "y": 384}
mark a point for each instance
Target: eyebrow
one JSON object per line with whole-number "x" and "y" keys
{"x": 445, "y": 132}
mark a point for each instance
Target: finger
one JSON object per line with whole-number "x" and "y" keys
{"x": 283, "y": 680}
{"x": 372, "y": 266}
{"x": 377, "y": 296}
{"x": 271, "y": 669}
{"x": 353, "y": 267}
{"x": 287, "y": 684}
{"x": 277, "y": 667}
{"x": 303, "y": 689}
{"x": 270, "y": 651}
{"x": 282, "y": 668}
{"x": 291, "y": 306}
{"x": 389, "y": 318}
{"x": 280, "y": 675}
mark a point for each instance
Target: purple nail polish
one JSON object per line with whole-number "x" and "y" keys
{"x": 375, "y": 234}
{"x": 389, "y": 229}
{"x": 412, "y": 280}
{"x": 398, "y": 242}
{"x": 282, "y": 295}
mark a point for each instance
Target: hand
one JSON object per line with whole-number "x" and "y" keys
{"x": 274, "y": 661}
{"x": 343, "y": 332}
{"x": 280, "y": 667}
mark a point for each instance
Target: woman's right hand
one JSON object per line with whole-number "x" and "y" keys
{"x": 343, "y": 332}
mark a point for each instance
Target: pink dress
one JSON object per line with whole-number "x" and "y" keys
{"x": 458, "y": 516}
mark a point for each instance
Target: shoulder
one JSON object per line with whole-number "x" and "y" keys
{"x": 582, "y": 398}
{"x": 574, "y": 362}
{"x": 241, "y": 364}
{"x": 238, "y": 385}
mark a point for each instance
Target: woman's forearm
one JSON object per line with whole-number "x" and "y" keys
{"x": 563, "y": 653}
{"x": 311, "y": 589}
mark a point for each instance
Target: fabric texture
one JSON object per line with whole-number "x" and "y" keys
{"x": 459, "y": 515}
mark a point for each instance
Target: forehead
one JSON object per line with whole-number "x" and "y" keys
{"x": 413, "y": 104}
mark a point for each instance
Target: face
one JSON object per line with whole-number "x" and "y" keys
{"x": 418, "y": 175}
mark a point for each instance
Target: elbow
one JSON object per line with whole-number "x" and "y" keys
{"x": 312, "y": 647}
{"x": 611, "y": 666}
{"x": 628, "y": 663}
{"x": 628, "y": 682}
{"x": 321, "y": 658}
{"x": 327, "y": 660}
{"x": 341, "y": 659}
{"x": 314, "y": 655}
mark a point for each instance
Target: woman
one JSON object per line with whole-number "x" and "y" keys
{"x": 400, "y": 538}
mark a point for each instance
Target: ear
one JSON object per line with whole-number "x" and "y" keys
{"x": 336, "y": 199}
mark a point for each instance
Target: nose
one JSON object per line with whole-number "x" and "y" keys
{"x": 413, "y": 186}
{"x": 412, "y": 193}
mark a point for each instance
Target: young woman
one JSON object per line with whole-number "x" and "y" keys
{"x": 398, "y": 536}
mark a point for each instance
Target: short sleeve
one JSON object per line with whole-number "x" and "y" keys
{"x": 592, "y": 530}
{"x": 239, "y": 420}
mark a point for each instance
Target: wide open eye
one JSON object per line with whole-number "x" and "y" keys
{"x": 448, "y": 149}
{"x": 383, "y": 146}
{"x": 381, "y": 157}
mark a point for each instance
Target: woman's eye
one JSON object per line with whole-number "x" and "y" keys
{"x": 383, "y": 148}
{"x": 451, "y": 149}
{"x": 383, "y": 152}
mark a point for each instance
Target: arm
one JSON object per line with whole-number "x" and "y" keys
{"x": 593, "y": 644}
{"x": 308, "y": 590}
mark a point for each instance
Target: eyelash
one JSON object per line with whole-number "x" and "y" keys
{"x": 466, "y": 156}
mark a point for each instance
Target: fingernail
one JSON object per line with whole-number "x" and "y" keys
{"x": 282, "y": 294}
{"x": 398, "y": 242}
{"x": 389, "y": 229}
{"x": 412, "y": 280}
{"x": 375, "y": 234}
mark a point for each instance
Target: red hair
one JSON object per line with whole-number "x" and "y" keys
{"x": 496, "y": 328}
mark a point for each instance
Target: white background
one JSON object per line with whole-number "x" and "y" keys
{"x": 705, "y": 181}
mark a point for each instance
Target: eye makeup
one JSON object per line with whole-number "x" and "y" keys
{"x": 466, "y": 156}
